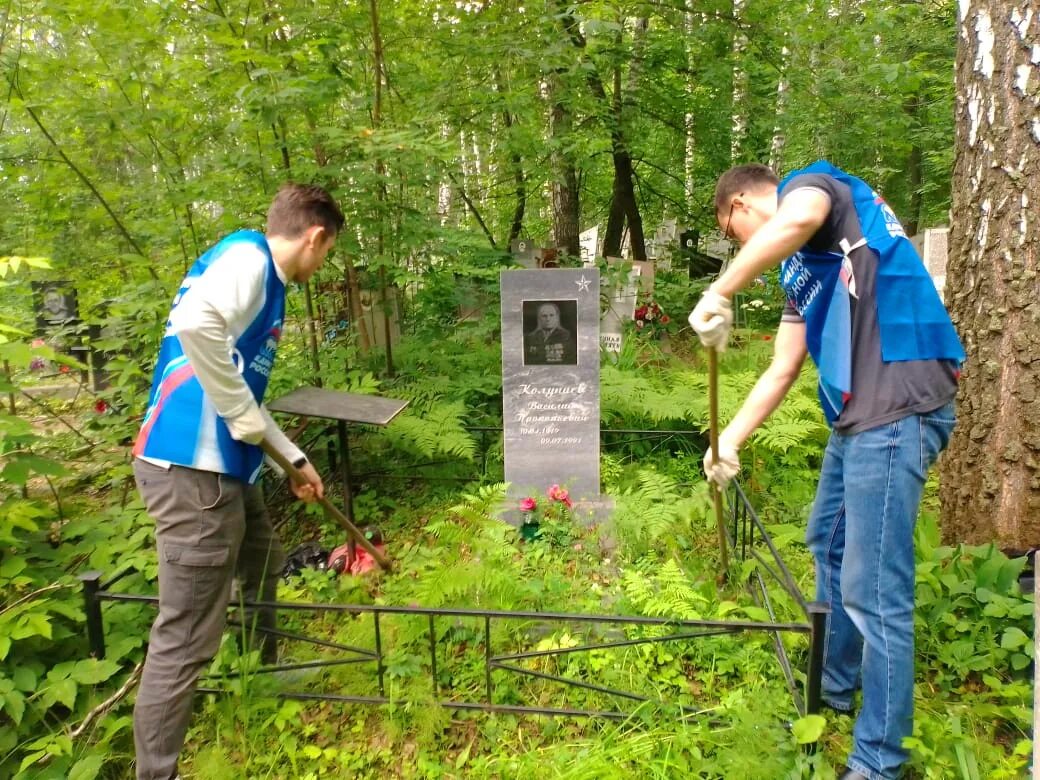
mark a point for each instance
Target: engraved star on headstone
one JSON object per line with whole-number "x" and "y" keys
{"x": 583, "y": 283}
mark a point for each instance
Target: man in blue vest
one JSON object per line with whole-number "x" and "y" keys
{"x": 197, "y": 456}
{"x": 861, "y": 303}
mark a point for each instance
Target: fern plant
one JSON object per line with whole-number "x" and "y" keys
{"x": 663, "y": 590}
{"x": 434, "y": 430}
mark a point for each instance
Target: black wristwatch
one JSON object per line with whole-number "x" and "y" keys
{"x": 300, "y": 462}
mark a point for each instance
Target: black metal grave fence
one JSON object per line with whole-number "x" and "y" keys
{"x": 747, "y": 536}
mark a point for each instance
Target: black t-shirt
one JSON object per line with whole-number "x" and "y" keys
{"x": 881, "y": 392}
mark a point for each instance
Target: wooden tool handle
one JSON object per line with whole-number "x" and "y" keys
{"x": 713, "y": 437}
{"x": 349, "y": 527}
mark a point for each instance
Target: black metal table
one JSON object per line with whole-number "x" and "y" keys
{"x": 343, "y": 408}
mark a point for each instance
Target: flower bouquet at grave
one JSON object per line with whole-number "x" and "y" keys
{"x": 551, "y": 514}
{"x": 649, "y": 318}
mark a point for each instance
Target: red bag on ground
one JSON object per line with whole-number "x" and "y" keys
{"x": 340, "y": 559}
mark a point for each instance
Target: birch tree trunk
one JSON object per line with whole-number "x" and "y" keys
{"x": 991, "y": 474}
{"x": 776, "y": 147}
{"x": 690, "y": 135}
{"x": 738, "y": 117}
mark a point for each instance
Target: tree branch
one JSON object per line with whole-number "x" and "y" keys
{"x": 83, "y": 178}
{"x": 110, "y": 702}
{"x": 31, "y": 596}
{"x": 473, "y": 210}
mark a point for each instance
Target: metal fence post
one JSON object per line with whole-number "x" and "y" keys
{"x": 92, "y": 606}
{"x": 818, "y": 612}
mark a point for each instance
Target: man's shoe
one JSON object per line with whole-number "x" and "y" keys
{"x": 851, "y": 774}
{"x": 850, "y": 712}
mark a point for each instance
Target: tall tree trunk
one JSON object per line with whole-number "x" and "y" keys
{"x": 914, "y": 170}
{"x": 738, "y": 115}
{"x": 377, "y": 117}
{"x": 990, "y": 478}
{"x": 776, "y": 147}
{"x": 516, "y": 164}
{"x": 689, "y": 133}
{"x": 566, "y": 207}
{"x": 623, "y": 205}
{"x": 444, "y": 188}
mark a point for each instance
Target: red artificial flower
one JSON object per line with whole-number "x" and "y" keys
{"x": 641, "y": 313}
{"x": 528, "y": 504}
{"x": 557, "y": 493}
{"x": 767, "y": 337}
{"x": 64, "y": 369}
{"x": 665, "y": 319}
{"x": 100, "y": 406}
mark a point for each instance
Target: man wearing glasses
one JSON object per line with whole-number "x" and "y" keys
{"x": 861, "y": 303}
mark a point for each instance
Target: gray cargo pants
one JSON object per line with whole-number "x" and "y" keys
{"x": 208, "y": 527}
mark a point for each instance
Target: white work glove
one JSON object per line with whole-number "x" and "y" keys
{"x": 249, "y": 426}
{"x": 727, "y": 467}
{"x": 711, "y": 319}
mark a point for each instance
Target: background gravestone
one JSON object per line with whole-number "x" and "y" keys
{"x": 588, "y": 240}
{"x": 611, "y": 335}
{"x": 376, "y": 313}
{"x": 550, "y": 381}
{"x": 705, "y": 256}
{"x": 646, "y": 276}
{"x": 664, "y": 241}
{"x": 524, "y": 252}
{"x": 932, "y": 246}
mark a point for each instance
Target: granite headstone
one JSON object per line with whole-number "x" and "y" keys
{"x": 550, "y": 381}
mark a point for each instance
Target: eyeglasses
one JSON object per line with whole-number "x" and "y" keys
{"x": 729, "y": 219}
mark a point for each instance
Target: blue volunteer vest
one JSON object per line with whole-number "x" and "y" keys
{"x": 180, "y": 425}
{"x": 912, "y": 319}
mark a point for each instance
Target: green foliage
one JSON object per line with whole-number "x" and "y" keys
{"x": 137, "y": 134}
{"x": 977, "y": 616}
{"x": 48, "y": 685}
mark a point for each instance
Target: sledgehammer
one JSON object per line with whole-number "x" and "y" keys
{"x": 349, "y": 527}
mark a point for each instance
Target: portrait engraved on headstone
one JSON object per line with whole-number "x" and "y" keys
{"x": 709, "y": 260}
{"x": 56, "y": 304}
{"x": 550, "y": 333}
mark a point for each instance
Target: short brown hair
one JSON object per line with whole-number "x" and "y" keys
{"x": 297, "y": 207}
{"x": 751, "y": 176}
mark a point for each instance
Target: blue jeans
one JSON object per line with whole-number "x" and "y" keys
{"x": 867, "y": 502}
